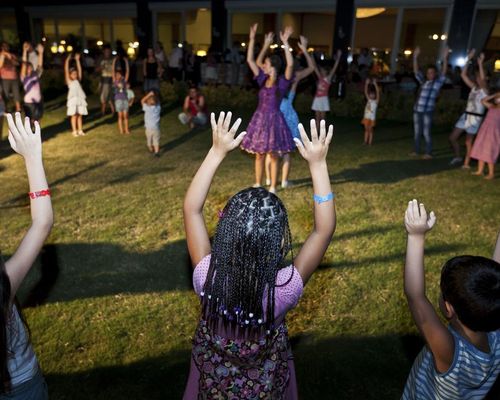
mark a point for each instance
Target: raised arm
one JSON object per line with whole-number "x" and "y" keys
{"x": 496, "y": 252}
{"x": 482, "y": 76}
{"x": 463, "y": 74}
{"x": 29, "y": 145}
{"x": 446, "y": 53}
{"x": 146, "y": 97}
{"x": 40, "y": 50}
{"x": 310, "y": 63}
{"x": 367, "y": 83}
{"x": 78, "y": 66}
{"x": 223, "y": 142}
{"x": 127, "y": 69}
{"x": 377, "y": 90}
{"x": 336, "y": 65}
{"x": 416, "y": 53}
{"x": 284, "y": 36}
{"x": 22, "y": 73}
{"x": 268, "y": 40}
{"x": 113, "y": 66}
{"x": 66, "y": 70}
{"x": 486, "y": 101}
{"x": 250, "y": 51}
{"x": 314, "y": 152}
{"x": 438, "y": 338}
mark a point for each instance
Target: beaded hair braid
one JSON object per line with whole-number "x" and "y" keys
{"x": 250, "y": 244}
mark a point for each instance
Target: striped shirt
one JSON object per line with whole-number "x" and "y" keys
{"x": 470, "y": 376}
{"x": 429, "y": 91}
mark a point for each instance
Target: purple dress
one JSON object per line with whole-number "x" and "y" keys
{"x": 238, "y": 368}
{"x": 268, "y": 131}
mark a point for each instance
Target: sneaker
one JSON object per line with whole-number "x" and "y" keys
{"x": 272, "y": 190}
{"x": 427, "y": 157}
{"x": 456, "y": 160}
{"x": 268, "y": 182}
{"x": 256, "y": 185}
{"x": 284, "y": 184}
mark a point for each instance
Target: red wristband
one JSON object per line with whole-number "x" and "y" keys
{"x": 41, "y": 193}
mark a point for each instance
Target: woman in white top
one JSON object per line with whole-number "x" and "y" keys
{"x": 20, "y": 375}
{"x": 372, "y": 95}
{"x": 471, "y": 119}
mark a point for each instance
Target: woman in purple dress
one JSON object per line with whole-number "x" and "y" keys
{"x": 267, "y": 132}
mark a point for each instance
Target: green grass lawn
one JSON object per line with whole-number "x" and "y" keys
{"x": 118, "y": 322}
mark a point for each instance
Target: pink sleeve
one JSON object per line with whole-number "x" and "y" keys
{"x": 200, "y": 274}
{"x": 288, "y": 295}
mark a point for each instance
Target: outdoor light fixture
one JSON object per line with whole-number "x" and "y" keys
{"x": 443, "y": 37}
{"x": 85, "y": 51}
{"x": 201, "y": 53}
{"x": 99, "y": 43}
{"x": 131, "y": 51}
{"x": 368, "y": 12}
{"x": 243, "y": 44}
{"x": 310, "y": 49}
{"x": 497, "y": 65}
{"x": 69, "y": 49}
{"x": 179, "y": 45}
{"x": 53, "y": 48}
{"x": 435, "y": 36}
{"x": 114, "y": 52}
{"x": 349, "y": 58}
{"x": 63, "y": 41}
{"x": 460, "y": 61}
{"x": 60, "y": 49}
{"x": 407, "y": 52}
{"x": 44, "y": 39}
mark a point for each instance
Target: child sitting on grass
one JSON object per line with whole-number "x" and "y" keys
{"x": 20, "y": 374}
{"x": 241, "y": 347}
{"x": 152, "y": 109}
{"x": 372, "y": 96}
{"x": 461, "y": 360}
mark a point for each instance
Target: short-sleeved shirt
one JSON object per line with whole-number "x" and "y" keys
{"x": 120, "y": 89}
{"x": 470, "y": 376}
{"x": 289, "y": 287}
{"x": 151, "y": 116}
{"x": 32, "y": 90}
{"x": 323, "y": 87}
{"x": 429, "y": 90}
{"x": 106, "y": 65}
{"x": 283, "y": 83}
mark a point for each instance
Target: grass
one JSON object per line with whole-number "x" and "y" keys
{"x": 117, "y": 322}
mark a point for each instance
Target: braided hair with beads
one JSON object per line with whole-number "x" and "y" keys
{"x": 250, "y": 245}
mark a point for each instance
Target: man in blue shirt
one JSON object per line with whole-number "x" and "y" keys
{"x": 430, "y": 85}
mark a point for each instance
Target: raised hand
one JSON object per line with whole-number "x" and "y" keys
{"x": 302, "y": 43}
{"x": 416, "y": 52}
{"x": 253, "y": 31}
{"x": 480, "y": 59}
{"x": 268, "y": 39}
{"x": 26, "y": 46}
{"x": 316, "y": 149}
{"x": 338, "y": 54}
{"x": 22, "y": 139}
{"x": 223, "y": 136}
{"x": 77, "y": 56}
{"x": 40, "y": 48}
{"x": 285, "y": 35}
{"x": 417, "y": 222}
{"x": 470, "y": 54}
{"x": 446, "y": 53}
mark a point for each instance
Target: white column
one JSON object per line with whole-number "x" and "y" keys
{"x": 154, "y": 17}
{"x": 446, "y": 29}
{"x": 183, "y": 25}
{"x": 229, "y": 30}
{"x": 397, "y": 40}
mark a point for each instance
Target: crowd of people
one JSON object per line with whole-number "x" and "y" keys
{"x": 241, "y": 347}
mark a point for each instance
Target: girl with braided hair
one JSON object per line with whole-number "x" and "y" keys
{"x": 20, "y": 375}
{"x": 241, "y": 348}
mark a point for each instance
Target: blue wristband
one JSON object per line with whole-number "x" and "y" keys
{"x": 323, "y": 199}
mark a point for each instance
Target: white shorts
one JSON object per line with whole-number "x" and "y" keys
{"x": 321, "y": 104}
{"x": 76, "y": 106}
{"x": 470, "y": 123}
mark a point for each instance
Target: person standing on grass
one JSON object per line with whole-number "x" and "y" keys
{"x": 268, "y": 132}
{"x": 20, "y": 374}
{"x": 194, "y": 110}
{"x": 486, "y": 148}
{"x": 9, "y": 76}
{"x": 245, "y": 285}
{"x": 372, "y": 95}
{"x": 120, "y": 96}
{"x": 152, "y": 71}
{"x": 77, "y": 103}
{"x": 152, "y": 111}
{"x": 471, "y": 119}
{"x": 461, "y": 360}
{"x": 426, "y": 102}
{"x": 106, "y": 84}
{"x": 291, "y": 117}
{"x": 30, "y": 77}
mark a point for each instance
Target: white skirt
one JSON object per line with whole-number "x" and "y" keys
{"x": 469, "y": 123}
{"x": 76, "y": 105}
{"x": 321, "y": 104}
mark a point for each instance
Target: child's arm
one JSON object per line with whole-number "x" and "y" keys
{"x": 463, "y": 74}
{"x": 416, "y": 53}
{"x": 377, "y": 90}
{"x": 22, "y": 73}
{"x": 113, "y": 65}
{"x": 486, "y": 100}
{"x": 223, "y": 142}
{"x": 482, "y": 77}
{"x": 496, "y": 252}
{"x": 268, "y": 39}
{"x": 314, "y": 152}
{"x": 310, "y": 63}
{"x": 367, "y": 82}
{"x": 438, "y": 338}
{"x": 335, "y": 66}
{"x": 250, "y": 56}
{"x": 40, "y": 50}
{"x": 78, "y": 66}
{"x": 29, "y": 146}
{"x": 127, "y": 69}
{"x": 284, "y": 36}
{"x": 146, "y": 97}
{"x": 66, "y": 70}
{"x": 446, "y": 53}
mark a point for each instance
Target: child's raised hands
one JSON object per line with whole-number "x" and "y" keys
{"x": 22, "y": 139}
{"x": 285, "y": 35}
{"x": 268, "y": 38}
{"x": 417, "y": 222}
{"x": 253, "y": 30}
{"x": 470, "y": 54}
{"x": 302, "y": 43}
{"x": 416, "y": 52}
{"x": 40, "y": 48}
{"x": 316, "y": 149}
{"x": 222, "y": 135}
{"x": 480, "y": 59}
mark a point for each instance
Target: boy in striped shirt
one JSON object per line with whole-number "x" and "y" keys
{"x": 462, "y": 360}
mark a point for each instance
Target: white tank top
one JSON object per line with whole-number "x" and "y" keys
{"x": 370, "y": 109}
{"x": 474, "y": 104}
{"x": 22, "y": 362}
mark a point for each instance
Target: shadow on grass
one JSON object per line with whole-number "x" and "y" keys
{"x": 333, "y": 368}
{"x": 87, "y": 270}
{"x": 182, "y": 139}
